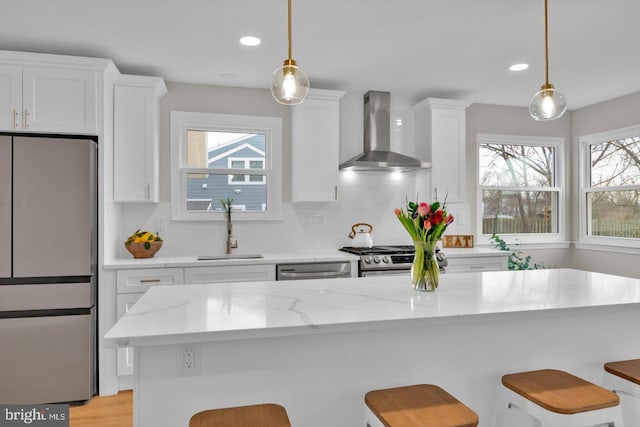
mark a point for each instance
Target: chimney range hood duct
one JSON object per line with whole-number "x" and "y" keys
{"x": 377, "y": 154}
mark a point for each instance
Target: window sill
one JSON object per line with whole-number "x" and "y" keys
{"x": 532, "y": 245}
{"x": 607, "y": 248}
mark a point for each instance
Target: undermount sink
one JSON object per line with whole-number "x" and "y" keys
{"x": 228, "y": 256}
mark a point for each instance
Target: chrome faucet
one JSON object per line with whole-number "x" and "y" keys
{"x": 226, "y": 204}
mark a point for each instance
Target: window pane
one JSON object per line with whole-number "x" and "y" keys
{"x": 616, "y": 162}
{"x": 237, "y": 164}
{"x": 256, "y": 164}
{"x": 614, "y": 213}
{"x": 509, "y": 212}
{"x": 237, "y": 178}
{"x": 204, "y": 192}
{"x": 207, "y": 149}
{"x": 516, "y": 165}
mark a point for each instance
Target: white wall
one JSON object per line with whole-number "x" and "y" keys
{"x": 363, "y": 197}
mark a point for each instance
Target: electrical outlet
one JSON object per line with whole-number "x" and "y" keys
{"x": 188, "y": 359}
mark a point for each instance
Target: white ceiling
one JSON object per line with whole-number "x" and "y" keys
{"x": 457, "y": 49}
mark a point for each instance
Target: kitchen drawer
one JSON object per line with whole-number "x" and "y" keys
{"x": 466, "y": 264}
{"x": 229, "y": 273}
{"x": 139, "y": 280}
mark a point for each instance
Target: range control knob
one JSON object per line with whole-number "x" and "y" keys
{"x": 367, "y": 260}
{"x": 376, "y": 259}
{"x": 386, "y": 259}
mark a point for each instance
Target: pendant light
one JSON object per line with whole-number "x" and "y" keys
{"x": 547, "y": 103}
{"x": 290, "y": 84}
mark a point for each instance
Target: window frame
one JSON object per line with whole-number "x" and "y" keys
{"x": 584, "y": 170}
{"x": 271, "y": 127}
{"x": 559, "y": 171}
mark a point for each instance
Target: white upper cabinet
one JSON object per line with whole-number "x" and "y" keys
{"x": 136, "y": 124}
{"x": 49, "y": 93}
{"x": 440, "y": 124}
{"x": 314, "y": 147}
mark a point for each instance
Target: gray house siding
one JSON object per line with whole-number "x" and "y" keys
{"x": 206, "y": 193}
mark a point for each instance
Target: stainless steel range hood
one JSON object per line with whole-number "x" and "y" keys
{"x": 377, "y": 154}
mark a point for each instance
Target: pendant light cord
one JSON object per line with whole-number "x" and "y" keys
{"x": 546, "y": 42}
{"x": 289, "y": 17}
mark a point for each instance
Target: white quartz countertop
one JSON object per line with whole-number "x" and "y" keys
{"x": 267, "y": 258}
{"x": 201, "y": 313}
{"x": 160, "y": 261}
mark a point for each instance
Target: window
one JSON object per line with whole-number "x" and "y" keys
{"x": 520, "y": 192}
{"x": 218, "y": 156}
{"x": 610, "y": 187}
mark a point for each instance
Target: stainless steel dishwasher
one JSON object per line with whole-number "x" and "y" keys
{"x": 313, "y": 270}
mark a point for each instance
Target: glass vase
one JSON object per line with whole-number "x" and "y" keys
{"x": 425, "y": 273}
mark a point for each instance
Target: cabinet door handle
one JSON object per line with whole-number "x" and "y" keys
{"x": 335, "y": 192}
{"x": 15, "y": 117}
{"x": 147, "y": 191}
{"x": 149, "y": 280}
{"x": 26, "y": 118}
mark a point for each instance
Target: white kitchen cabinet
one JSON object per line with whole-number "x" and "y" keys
{"x": 131, "y": 285}
{"x": 229, "y": 273}
{"x": 440, "y": 126}
{"x": 124, "y": 357}
{"x": 136, "y": 138}
{"x": 314, "y": 147}
{"x": 49, "y": 93}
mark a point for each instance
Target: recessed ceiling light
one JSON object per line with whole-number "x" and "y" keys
{"x": 228, "y": 76}
{"x": 519, "y": 67}
{"x": 250, "y": 41}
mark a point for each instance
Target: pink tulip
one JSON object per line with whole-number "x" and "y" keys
{"x": 397, "y": 211}
{"x": 423, "y": 209}
{"x": 449, "y": 219}
{"x": 427, "y": 224}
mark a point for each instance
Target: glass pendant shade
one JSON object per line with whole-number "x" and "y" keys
{"x": 547, "y": 104}
{"x": 289, "y": 85}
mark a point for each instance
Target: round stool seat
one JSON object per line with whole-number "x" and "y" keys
{"x": 264, "y": 415}
{"x": 627, "y": 369}
{"x": 419, "y": 405}
{"x": 559, "y": 391}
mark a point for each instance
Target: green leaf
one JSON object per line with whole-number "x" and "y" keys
{"x": 147, "y": 245}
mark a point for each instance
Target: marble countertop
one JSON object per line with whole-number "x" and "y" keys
{"x": 201, "y": 313}
{"x": 274, "y": 258}
{"x": 267, "y": 258}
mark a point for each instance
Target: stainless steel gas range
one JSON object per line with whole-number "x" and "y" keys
{"x": 388, "y": 260}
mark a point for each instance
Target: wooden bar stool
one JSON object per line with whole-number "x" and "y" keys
{"x": 623, "y": 377}
{"x": 264, "y": 415}
{"x": 558, "y": 399}
{"x": 419, "y": 405}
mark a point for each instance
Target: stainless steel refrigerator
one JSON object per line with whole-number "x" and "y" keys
{"x": 48, "y": 257}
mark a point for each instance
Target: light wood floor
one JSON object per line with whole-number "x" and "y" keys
{"x": 104, "y": 411}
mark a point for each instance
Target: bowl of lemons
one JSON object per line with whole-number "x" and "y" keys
{"x": 143, "y": 244}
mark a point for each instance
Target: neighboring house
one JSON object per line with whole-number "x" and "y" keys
{"x": 248, "y": 192}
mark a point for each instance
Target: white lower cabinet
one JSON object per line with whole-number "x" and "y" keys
{"x": 229, "y": 273}
{"x": 124, "y": 360}
{"x": 131, "y": 285}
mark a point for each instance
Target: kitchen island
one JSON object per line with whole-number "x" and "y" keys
{"x": 317, "y": 346}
